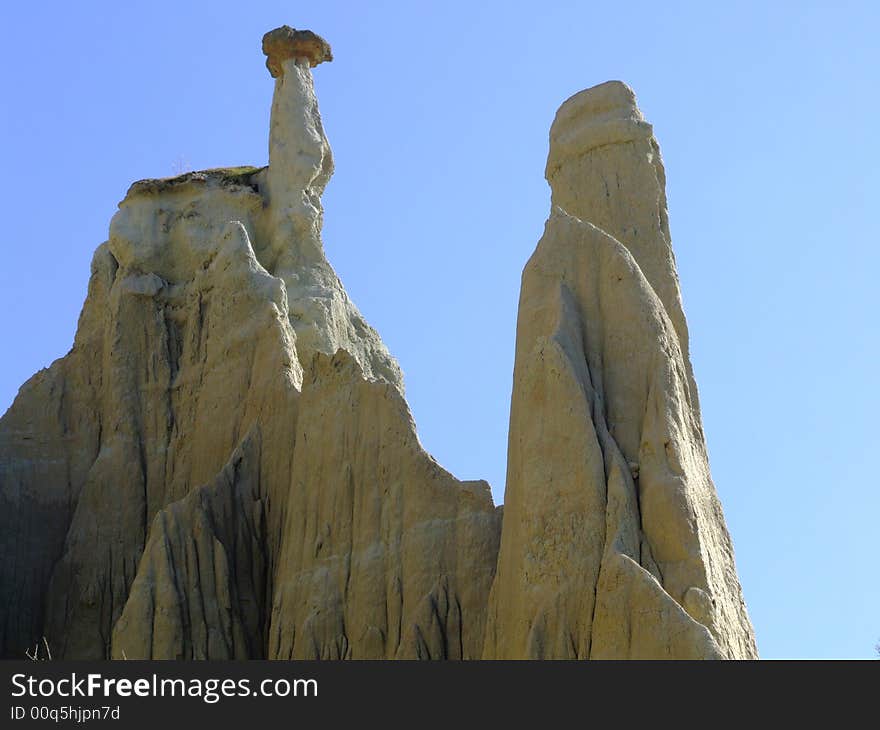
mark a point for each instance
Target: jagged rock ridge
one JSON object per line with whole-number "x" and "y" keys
{"x": 224, "y": 465}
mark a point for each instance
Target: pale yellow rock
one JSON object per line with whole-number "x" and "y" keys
{"x": 300, "y": 166}
{"x": 187, "y": 372}
{"x": 605, "y": 167}
{"x": 169, "y": 370}
{"x": 201, "y": 587}
{"x": 49, "y": 439}
{"x": 613, "y": 543}
{"x": 144, "y": 478}
{"x": 385, "y": 554}
{"x": 178, "y": 487}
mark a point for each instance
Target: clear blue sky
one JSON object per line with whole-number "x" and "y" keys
{"x": 438, "y": 115}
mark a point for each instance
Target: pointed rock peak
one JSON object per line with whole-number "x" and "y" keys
{"x": 601, "y": 115}
{"x": 300, "y": 166}
{"x": 285, "y": 42}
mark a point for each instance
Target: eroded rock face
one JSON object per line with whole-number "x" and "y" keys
{"x": 202, "y": 585}
{"x": 300, "y": 166}
{"x": 182, "y": 347}
{"x": 148, "y": 477}
{"x": 224, "y": 465}
{"x": 386, "y": 555}
{"x": 605, "y": 167}
{"x": 191, "y": 363}
{"x": 614, "y": 543}
{"x": 49, "y": 439}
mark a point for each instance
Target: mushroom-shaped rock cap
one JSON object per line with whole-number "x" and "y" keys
{"x": 286, "y": 42}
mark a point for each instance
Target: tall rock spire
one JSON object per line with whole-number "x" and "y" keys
{"x": 300, "y": 159}
{"x": 605, "y": 167}
{"x": 613, "y": 542}
{"x": 300, "y": 166}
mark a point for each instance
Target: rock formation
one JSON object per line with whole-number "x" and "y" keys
{"x": 224, "y": 465}
{"x": 391, "y": 556}
{"x": 614, "y": 544}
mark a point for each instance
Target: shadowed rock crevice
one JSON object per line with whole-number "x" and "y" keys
{"x": 201, "y": 587}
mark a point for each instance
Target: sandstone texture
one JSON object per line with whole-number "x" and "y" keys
{"x": 224, "y": 465}
{"x": 391, "y": 557}
{"x": 145, "y": 478}
{"x": 614, "y": 543}
{"x": 300, "y": 166}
